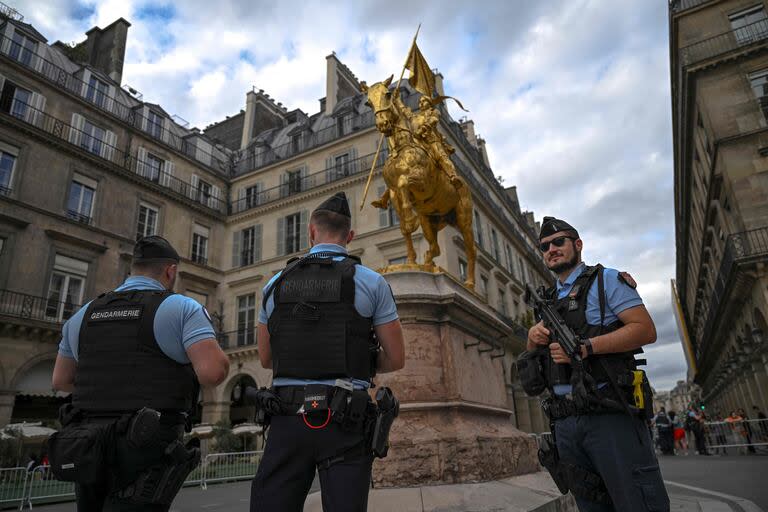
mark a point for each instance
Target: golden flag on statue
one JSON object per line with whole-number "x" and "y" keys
{"x": 421, "y": 77}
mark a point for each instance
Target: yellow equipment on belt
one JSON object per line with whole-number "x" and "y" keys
{"x": 637, "y": 388}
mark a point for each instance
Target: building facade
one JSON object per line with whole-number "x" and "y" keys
{"x": 719, "y": 75}
{"x": 87, "y": 166}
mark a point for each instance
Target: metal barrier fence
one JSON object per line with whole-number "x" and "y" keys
{"x": 741, "y": 434}
{"x": 13, "y": 482}
{"x": 21, "y": 488}
{"x": 540, "y": 437}
{"x": 219, "y": 467}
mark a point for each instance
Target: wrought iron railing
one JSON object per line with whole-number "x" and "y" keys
{"x": 740, "y": 248}
{"x": 308, "y": 182}
{"x": 114, "y": 106}
{"x": 79, "y": 217}
{"x": 73, "y": 136}
{"x": 723, "y": 43}
{"x": 22, "y": 305}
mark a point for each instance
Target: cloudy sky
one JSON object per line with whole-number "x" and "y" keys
{"x": 571, "y": 96}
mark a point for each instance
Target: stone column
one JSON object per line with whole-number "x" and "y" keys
{"x": 7, "y": 398}
{"x": 454, "y": 417}
{"x": 523, "y": 412}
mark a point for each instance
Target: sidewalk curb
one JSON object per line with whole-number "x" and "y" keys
{"x": 741, "y": 504}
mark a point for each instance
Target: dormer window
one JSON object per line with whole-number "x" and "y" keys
{"x": 154, "y": 124}
{"x": 97, "y": 92}
{"x": 22, "y": 48}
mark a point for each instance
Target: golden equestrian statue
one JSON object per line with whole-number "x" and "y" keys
{"x": 422, "y": 183}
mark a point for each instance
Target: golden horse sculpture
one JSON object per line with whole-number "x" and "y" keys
{"x": 421, "y": 190}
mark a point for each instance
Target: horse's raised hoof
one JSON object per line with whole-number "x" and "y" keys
{"x": 378, "y": 204}
{"x": 470, "y": 284}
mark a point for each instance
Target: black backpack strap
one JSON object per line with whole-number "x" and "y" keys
{"x": 601, "y": 294}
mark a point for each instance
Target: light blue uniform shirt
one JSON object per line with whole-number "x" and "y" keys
{"x": 618, "y": 297}
{"x": 180, "y": 322}
{"x": 373, "y": 299}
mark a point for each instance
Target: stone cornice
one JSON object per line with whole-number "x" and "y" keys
{"x": 68, "y": 238}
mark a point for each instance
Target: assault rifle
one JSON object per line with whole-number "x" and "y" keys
{"x": 560, "y": 333}
{"x": 580, "y": 380}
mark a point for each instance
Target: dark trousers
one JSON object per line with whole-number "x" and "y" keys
{"x": 292, "y": 453}
{"x": 128, "y": 464}
{"x": 608, "y": 444}
{"x": 698, "y": 435}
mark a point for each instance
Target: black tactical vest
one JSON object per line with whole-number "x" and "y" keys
{"x": 573, "y": 309}
{"x": 120, "y": 366}
{"x": 315, "y": 331}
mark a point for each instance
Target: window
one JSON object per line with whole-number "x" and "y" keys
{"x": 462, "y": 269}
{"x": 495, "y": 241}
{"x": 21, "y": 103}
{"x": 252, "y": 197}
{"x": 388, "y": 217}
{"x": 147, "y": 225}
{"x": 759, "y": 82}
{"x": 154, "y": 167}
{"x": 65, "y": 292}
{"x": 341, "y": 165}
{"x": 80, "y": 202}
{"x": 343, "y": 125}
{"x": 503, "y": 302}
{"x": 200, "y": 236}
{"x": 203, "y": 192}
{"x": 510, "y": 260}
{"x": 246, "y": 320}
{"x": 398, "y": 261}
{"x": 251, "y": 247}
{"x": 22, "y": 48}
{"x": 92, "y": 138}
{"x": 154, "y": 124}
{"x": 478, "y": 228}
{"x": 296, "y": 142}
{"x": 98, "y": 92}
{"x": 292, "y": 233}
{"x": 484, "y": 286}
{"x": 7, "y": 164}
{"x": 749, "y": 25}
{"x": 294, "y": 181}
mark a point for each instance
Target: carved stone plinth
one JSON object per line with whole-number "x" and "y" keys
{"x": 455, "y": 419}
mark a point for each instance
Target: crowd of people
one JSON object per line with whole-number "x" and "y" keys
{"x": 695, "y": 431}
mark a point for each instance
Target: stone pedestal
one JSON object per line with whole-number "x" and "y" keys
{"x": 455, "y": 420}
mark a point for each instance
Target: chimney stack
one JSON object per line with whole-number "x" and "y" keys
{"x": 106, "y": 48}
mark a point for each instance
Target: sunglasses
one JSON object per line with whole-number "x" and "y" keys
{"x": 557, "y": 242}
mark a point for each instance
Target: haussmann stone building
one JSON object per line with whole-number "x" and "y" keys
{"x": 88, "y": 164}
{"x": 719, "y": 74}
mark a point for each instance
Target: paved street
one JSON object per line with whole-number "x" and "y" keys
{"x": 726, "y": 479}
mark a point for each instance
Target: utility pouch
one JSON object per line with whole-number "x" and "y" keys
{"x": 78, "y": 452}
{"x": 530, "y": 368}
{"x": 550, "y": 459}
{"x": 265, "y": 400}
{"x": 143, "y": 427}
{"x": 160, "y": 483}
{"x": 315, "y": 398}
{"x": 647, "y": 397}
{"x": 388, "y": 407}
{"x": 355, "y": 416}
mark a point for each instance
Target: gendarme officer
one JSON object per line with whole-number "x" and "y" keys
{"x": 133, "y": 359}
{"x": 605, "y": 452}
{"x": 315, "y": 332}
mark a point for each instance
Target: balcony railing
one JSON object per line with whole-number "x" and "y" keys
{"x": 72, "y": 136}
{"x": 21, "y": 305}
{"x": 79, "y": 217}
{"x": 720, "y": 44}
{"x": 308, "y": 182}
{"x": 741, "y": 248}
{"x": 114, "y": 106}
{"x": 197, "y": 258}
{"x": 5, "y": 191}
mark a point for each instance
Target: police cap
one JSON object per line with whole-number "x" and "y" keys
{"x": 154, "y": 248}
{"x": 552, "y": 225}
{"x": 337, "y": 203}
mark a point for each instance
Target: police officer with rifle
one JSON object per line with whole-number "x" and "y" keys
{"x": 326, "y": 326}
{"x": 591, "y": 324}
{"x": 134, "y": 359}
